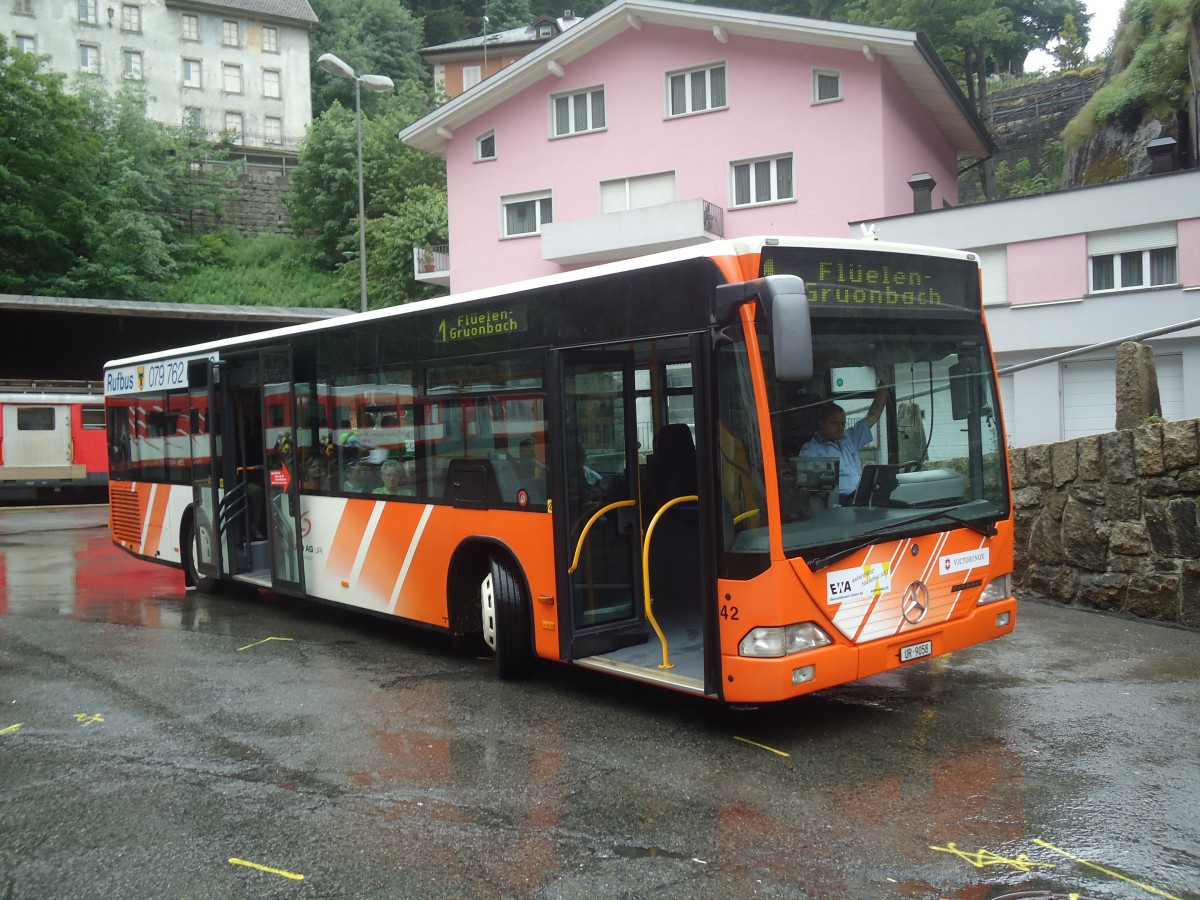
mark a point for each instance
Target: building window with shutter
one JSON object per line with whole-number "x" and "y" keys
{"x": 89, "y": 59}
{"x": 131, "y": 18}
{"x": 233, "y": 127}
{"x": 525, "y": 214}
{"x": 637, "y": 192}
{"x": 759, "y": 181}
{"x": 231, "y": 78}
{"x": 192, "y": 77}
{"x": 1133, "y": 269}
{"x": 189, "y": 26}
{"x": 577, "y": 112}
{"x": 1132, "y": 258}
{"x": 131, "y": 62}
{"x": 696, "y": 90}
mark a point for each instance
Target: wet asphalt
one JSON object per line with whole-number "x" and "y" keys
{"x": 162, "y": 743}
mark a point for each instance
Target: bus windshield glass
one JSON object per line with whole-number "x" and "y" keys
{"x": 898, "y": 430}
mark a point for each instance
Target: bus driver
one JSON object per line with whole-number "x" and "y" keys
{"x": 834, "y": 440}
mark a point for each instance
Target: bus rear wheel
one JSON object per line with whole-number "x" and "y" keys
{"x": 191, "y": 543}
{"x": 505, "y": 612}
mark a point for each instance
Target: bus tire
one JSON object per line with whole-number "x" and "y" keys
{"x": 204, "y": 583}
{"x": 505, "y": 613}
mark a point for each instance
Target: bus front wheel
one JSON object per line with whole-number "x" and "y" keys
{"x": 505, "y": 620}
{"x": 204, "y": 583}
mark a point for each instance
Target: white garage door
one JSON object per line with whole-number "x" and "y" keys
{"x": 1089, "y": 393}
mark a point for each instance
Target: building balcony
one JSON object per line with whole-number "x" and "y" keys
{"x": 632, "y": 232}
{"x": 431, "y": 264}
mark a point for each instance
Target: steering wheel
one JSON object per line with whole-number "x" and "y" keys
{"x": 912, "y": 465}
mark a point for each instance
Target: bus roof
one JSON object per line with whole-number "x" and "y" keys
{"x": 733, "y": 247}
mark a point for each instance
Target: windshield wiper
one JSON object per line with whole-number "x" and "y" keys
{"x": 822, "y": 561}
{"x": 988, "y": 529}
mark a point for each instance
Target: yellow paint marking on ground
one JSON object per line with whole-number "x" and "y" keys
{"x": 760, "y": 746}
{"x": 295, "y": 876}
{"x": 263, "y": 641}
{"x": 11, "y": 729}
{"x": 1084, "y": 862}
{"x": 983, "y": 857}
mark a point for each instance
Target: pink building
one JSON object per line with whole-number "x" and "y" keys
{"x": 651, "y": 125}
{"x": 1069, "y": 276}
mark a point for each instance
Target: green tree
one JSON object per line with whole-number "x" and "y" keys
{"x": 1036, "y": 24}
{"x": 1071, "y": 51}
{"x": 375, "y": 37}
{"x": 323, "y": 203}
{"x": 505, "y": 14}
{"x": 390, "y": 242}
{"x": 128, "y": 246}
{"x": 93, "y": 192}
{"x": 45, "y": 162}
{"x": 1026, "y": 180}
{"x": 404, "y": 191}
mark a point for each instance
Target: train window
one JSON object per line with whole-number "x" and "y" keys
{"x": 91, "y": 417}
{"x": 35, "y": 418}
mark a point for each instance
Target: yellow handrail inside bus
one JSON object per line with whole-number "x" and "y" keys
{"x": 588, "y": 527}
{"x": 690, "y": 498}
{"x": 742, "y": 517}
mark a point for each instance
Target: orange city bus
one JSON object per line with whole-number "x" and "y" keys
{"x": 605, "y": 467}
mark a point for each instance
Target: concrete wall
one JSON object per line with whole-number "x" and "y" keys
{"x": 1111, "y": 521}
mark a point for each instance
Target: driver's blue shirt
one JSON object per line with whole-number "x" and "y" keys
{"x": 845, "y": 451}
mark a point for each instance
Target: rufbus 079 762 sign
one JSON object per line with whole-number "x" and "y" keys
{"x": 872, "y": 282}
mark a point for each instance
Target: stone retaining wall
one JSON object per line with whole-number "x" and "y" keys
{"x": 256, "y": 207}
{"x": 1110, "y": 521}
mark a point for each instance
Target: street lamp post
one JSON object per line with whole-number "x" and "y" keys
{"x": 380, "y": 84}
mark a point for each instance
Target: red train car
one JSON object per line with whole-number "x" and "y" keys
{"x": 52, "y": 441}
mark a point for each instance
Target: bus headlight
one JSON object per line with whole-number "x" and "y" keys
{"x": 782, "y": 640}
{"x": 997, "y": 589}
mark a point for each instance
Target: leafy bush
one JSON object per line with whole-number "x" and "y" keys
{"x": 268, "y": 270}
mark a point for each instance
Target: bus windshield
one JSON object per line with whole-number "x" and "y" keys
{"x": 912, "y": 441}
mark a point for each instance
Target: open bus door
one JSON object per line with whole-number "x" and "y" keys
{"x": 633, "y": 520}
{"x": 282, "y": 480}
{"x": 205, "y": 401}
{"x": 246, "y": 489}
{"x": 603, "y": 534}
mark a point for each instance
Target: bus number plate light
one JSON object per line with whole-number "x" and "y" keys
{"x": 916, "y": 651}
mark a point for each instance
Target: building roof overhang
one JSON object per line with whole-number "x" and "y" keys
{"x": 909, "y": 53}
{"x": 288, "y": 11}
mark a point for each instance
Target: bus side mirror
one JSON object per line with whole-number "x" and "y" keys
{"x": 791, "y": 332}
{"x": 785, "y": 303}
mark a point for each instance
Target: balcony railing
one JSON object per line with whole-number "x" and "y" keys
{"x": 431, "y": 264}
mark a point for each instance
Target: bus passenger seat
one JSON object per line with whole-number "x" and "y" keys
{"x": 672, "y": 467}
